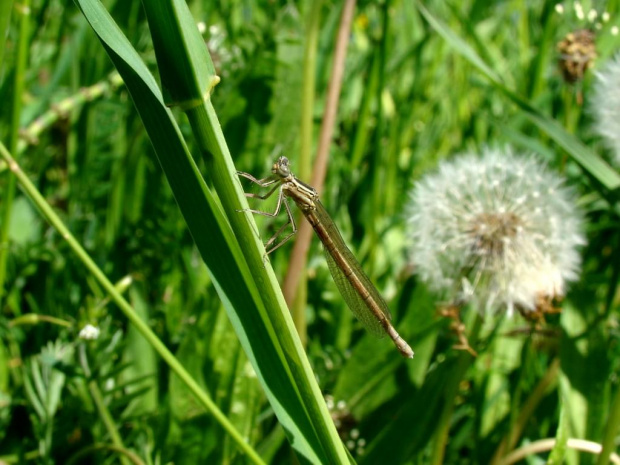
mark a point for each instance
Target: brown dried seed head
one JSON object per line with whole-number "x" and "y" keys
{"x": 577, "y": 54}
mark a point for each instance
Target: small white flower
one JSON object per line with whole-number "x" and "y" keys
{"x": 109, "y": 384}
{"x": 614, "y": 30}
{"x": 579, "y": 11}
{"x": 559, "y": 8}
{"x": 89, "y": 332}
{"x": 500, "y": 231}
{"x": 592, "y": 15}
{"x": 605, "y": 105}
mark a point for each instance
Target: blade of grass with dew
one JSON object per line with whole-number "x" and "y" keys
{"x": 588, "y": 159}
{"x": 274, "y": 353}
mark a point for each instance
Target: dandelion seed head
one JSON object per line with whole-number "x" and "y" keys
{"x": 502, "y": 241}
{"x": 605, "y": 105}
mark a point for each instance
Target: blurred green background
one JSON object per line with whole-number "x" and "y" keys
{"x": 413, "y": 94}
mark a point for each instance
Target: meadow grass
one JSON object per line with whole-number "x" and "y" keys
{"x": 121, "y": 135}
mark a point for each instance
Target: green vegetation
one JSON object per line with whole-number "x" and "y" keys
{"x": 120, "y": 208}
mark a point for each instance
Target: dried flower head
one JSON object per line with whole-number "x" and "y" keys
{"x": 499, "y": 231}
{"x": 605, "y": 105}
{"x": 577, "y": 54}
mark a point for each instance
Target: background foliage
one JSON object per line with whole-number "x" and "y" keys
{"x": 420, "y": 85}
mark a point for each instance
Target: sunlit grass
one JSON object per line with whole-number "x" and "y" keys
{"x": 421, "y": 84}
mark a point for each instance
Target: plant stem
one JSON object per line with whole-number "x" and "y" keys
{"x": 611, "y": 430}
{"x": 18, "y": 90}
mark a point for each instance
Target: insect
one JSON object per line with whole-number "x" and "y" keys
{"x": 356, "y": 288}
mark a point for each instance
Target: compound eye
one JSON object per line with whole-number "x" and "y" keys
{"x": 282, "y": 167}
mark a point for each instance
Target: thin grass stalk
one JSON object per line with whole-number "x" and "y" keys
{"x": 18, "y": 90}
{"x": 202, "y": 397}
{"x": 544, "y": 445}
{"x": 106, "y": 417}
{"x": 299, "y": 255}
{"x": 35, "y": 319}
{"x": 611, "y": 431}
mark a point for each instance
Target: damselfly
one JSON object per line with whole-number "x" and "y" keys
{"x": 358, "y": 291}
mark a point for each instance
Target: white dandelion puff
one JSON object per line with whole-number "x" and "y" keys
{"x": 499, "y": 231}
{"x": 89, "y": 332}
{"x": 605, "y": 105}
